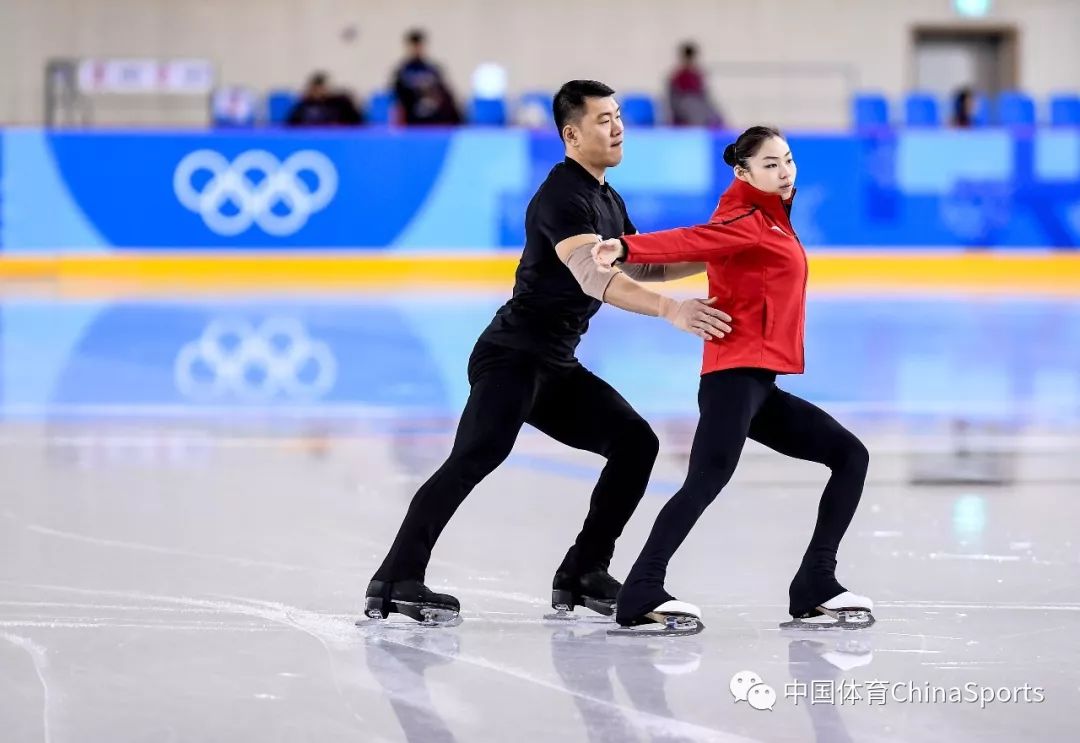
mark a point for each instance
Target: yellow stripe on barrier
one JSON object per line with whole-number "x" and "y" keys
{"x": 1053, "y": 273}
{"x": 263, "y": 269}
{"x": 979, "y": 272}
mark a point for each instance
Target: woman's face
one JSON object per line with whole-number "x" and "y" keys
{"x": 772, "y": 169}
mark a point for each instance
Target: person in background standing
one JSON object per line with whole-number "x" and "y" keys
{"x": 688, "y": 98}
{"x": 420, "y": 89}
{"x": 963, "y": 104}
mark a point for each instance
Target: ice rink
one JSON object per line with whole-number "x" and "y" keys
{"x": 183, "y": 554}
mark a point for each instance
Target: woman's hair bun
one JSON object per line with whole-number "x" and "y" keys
{"x": 729, "y": 155}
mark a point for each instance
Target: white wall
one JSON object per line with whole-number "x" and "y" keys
{"x": 820, "y": 48}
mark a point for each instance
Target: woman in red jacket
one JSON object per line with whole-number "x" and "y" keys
{"x": 757, "y": 270}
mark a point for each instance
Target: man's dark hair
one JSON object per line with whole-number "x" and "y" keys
{"x": 319, "y": 78}
{"x": 416, "y": 36}
{"x": 569, "y": 103}
{"x": 688, "y": 50}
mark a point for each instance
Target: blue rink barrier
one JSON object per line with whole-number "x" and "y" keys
{"x": 377, "y": 358}
{"x": 467, "y": 189}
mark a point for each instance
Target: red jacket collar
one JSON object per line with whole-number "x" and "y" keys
{"x": 742, "y": 193}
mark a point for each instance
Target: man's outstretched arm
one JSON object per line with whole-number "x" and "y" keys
{"x": 696, "y": 316}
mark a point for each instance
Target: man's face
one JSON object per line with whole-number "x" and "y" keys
{"x": 598, "y": 136}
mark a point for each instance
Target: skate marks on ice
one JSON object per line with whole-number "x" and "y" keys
{"x": 260, "y": 616}
{"x": 340, "y": 639}
{"x": 583, "y": 663}
{"x": 39, "y": 656}
{"x": 583, "y": 660}
{"x": 241, "y": 562}
{"x": 264, "y": 615}
{"x": 574, "y": 652}
{"x": 630, "y": 688}
{"x": 187, "y": 554}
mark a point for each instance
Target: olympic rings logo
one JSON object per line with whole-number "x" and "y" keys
{"x": 234, "y": 358}
{"x": 278, "y": 200}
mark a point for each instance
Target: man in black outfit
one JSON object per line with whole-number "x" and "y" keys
{"x": 420, "y": 88}
{"x": 523, "y": 370}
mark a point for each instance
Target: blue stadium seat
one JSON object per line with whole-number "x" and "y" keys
{"x": 278, "y": 105}
{"x": 1065, "y": 110}
{"x": 380, "y": 108}
{"x": 921, "y": 109}
{"x": 534, "y": 109}
{"x": 638, "y": 109}
{"x": 1015, "y": 109}
{"x": 233, "y": 106}
{"x": 870, "y": 110}
{"x": 487, "y": 112}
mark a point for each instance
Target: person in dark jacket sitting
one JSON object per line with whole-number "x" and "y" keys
{"x": 321, "y": 106}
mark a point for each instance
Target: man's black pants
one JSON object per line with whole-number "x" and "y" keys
{"x": 569, "y": 404}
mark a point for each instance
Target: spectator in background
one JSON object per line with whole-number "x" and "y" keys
{"x": 420, "y": 89}
{"x": 321, "y": 106}
{"x": 688, "y": 98}
{"x": 963, "y": 108}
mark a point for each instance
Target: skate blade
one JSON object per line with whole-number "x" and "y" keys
{"x": 831, "y": 620}
{"x": 422, "y": 616}
{"x": 562, "y": 613}
{"x": 406, "y": 626}
{"x": 663, "y": 625}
